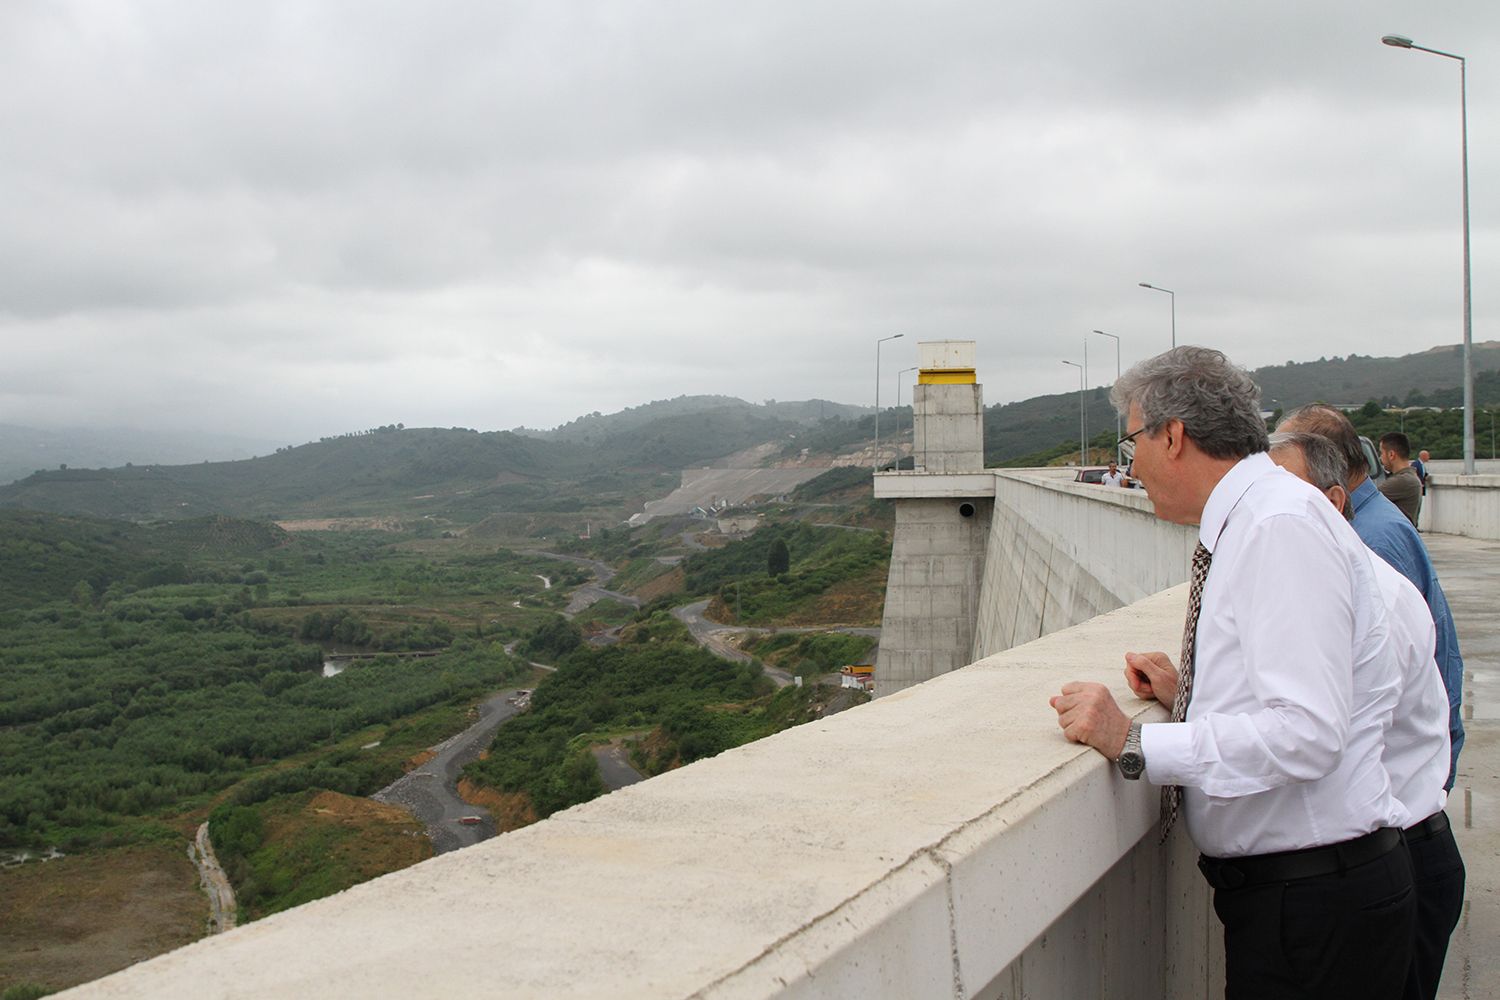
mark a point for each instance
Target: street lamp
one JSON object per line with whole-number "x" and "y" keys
{"x": 1101, "y": 333}
{"x": 1081, "y": 446}
{"x": 875, "y": 462}
{"x": 898, "y": 420}
{"x": 1174, "y": 306}
{"x": 1402, "y": 42}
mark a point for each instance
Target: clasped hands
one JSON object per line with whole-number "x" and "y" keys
{"x": 1088, "y": 713}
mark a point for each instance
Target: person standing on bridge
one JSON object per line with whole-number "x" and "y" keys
{"x": 1393, "y": 538}
{"x": 1416, "y": 747}
{"x": 1287, "y": 687}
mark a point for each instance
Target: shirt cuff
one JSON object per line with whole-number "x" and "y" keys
{"x": 1168, "y": 749}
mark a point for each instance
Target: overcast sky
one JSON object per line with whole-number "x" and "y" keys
{"x": 293, "y": 219}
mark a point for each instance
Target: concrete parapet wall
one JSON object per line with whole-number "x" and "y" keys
{"x": 1462, "y": 505}
{"x": 1061, "y": 552}
{"x": 945, "y": 841}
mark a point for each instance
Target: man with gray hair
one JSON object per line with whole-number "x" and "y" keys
{"x": 1416, "y": 747}
{"x": 1391, "y": 536}
{"x": 1280, "y": 712}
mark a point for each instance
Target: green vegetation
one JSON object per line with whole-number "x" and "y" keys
{"x": 1101, "y": 450}
{"x": 834, "y": 482}
{"x": 1349, "y": 380}
{"x": 778, "y": 558}
{"x": 1442, "y": 434}
{"x": 145, "y": 671}
{"x": 298, "y": 847}
{"x": 694, "y": 703}
{"x": 25, "y": 991}
{"x": 418, "y": 474}
{"x": 808, "y": 655}
{"x": 630, "y": 685}
{"x": 820, "y": 561}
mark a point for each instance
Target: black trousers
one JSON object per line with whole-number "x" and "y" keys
{"x": 1333, "y": 936}
{"x": 1439, "y": 877}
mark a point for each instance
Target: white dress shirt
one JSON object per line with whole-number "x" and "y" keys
{"x": 1416, "y": 746}
{"x": 1295, "y": 679}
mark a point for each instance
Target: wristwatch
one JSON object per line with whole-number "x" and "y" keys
{"x": 1131, "y": 760}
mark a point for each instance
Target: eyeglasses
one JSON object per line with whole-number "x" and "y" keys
{"x": 1127, "y": 437}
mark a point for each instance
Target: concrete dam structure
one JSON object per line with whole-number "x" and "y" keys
{"x": 984, "y": 560}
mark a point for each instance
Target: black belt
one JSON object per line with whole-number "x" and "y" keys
{"x": 1428, "y": 828}
{"x": 1310, "y": 862}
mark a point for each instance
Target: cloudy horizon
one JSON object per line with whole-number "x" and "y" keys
{"x": 291, "y": 220}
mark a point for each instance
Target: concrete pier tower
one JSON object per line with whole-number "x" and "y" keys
{"x": 943, "y": 509}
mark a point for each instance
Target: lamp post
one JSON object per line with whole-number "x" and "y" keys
{"x": 898, "y": 420}
{"x": 1174, "y": 306}
{"x": 1402, "y": 42}
{"x": 1081, "y": 446}
{"x": 875, "y": 462}
{"x": 1117, "y": 381}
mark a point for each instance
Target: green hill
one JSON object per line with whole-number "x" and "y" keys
{"x": 413, "y": 472}
{"x": 1356, "y": 379}
{"x": 1430, "y": 378}
{"x": 600, "y": 426}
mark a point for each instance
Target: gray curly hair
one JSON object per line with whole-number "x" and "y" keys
{"x": 1217, "y": 401}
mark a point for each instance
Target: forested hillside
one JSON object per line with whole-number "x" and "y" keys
{"x": 1044, "y": 427}
{"x": 145, "y": 670}
{"x": 412, "y": 472}
{"x": 598, "y": 425}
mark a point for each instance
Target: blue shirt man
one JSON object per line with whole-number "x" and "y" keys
{"x": 1386, "y": 530}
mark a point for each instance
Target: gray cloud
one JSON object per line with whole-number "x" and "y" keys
{"x": 295, "y": 219}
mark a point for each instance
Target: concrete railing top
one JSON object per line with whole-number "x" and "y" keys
{"x": 1481, "y": 481}
{"x": 910, "y": 847}
{"x": 1062, "y": 481}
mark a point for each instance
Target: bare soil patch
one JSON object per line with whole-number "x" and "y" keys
{"x": 667, "y": 583}
{"x": 417, "y": 761}
{"x": 345, "y": 524}
{"x": 511, "y": 810}
{"x": 853, "y": 602}
{"x": 78, "y": 918}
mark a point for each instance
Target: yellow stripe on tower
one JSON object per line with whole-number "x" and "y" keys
{"x": 946, "y": 376}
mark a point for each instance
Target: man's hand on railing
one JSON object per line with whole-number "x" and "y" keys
{"x": 1151, "y": 675}
{"x": 1088, "y": 714}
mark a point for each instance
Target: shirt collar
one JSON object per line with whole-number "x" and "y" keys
{"x": 1227, "y": 493}
{"x": 1363, "y": 493}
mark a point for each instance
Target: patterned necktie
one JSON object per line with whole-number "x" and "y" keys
{"x": 1171, "y": 795}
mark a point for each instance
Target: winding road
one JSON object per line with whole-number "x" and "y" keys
{"x": 430, "y": 793}
{"x": 589, "y": 593}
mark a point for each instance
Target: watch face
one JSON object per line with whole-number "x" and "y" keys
{"x": 1132, "y": 763}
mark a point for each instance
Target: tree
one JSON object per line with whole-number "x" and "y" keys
{"x": 779, "y": 558}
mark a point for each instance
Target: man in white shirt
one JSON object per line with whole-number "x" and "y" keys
{"x": 1288, "y": 686}
{"x": 1113, "y": 476}
{"x": 1416, "y": 747}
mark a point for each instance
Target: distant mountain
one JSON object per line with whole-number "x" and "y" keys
{"x": 23, "y": 450}
{"x": 1429, "y": 378}
{"x": 1356, "y": 379}
{"x": 590, "y": 426}
{"x": 458, "y": 474}
{"x": 598, "y": 466}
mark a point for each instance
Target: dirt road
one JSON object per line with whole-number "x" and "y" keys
{"x": 430, "y": 792}
{"x": 223, "y": 910}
